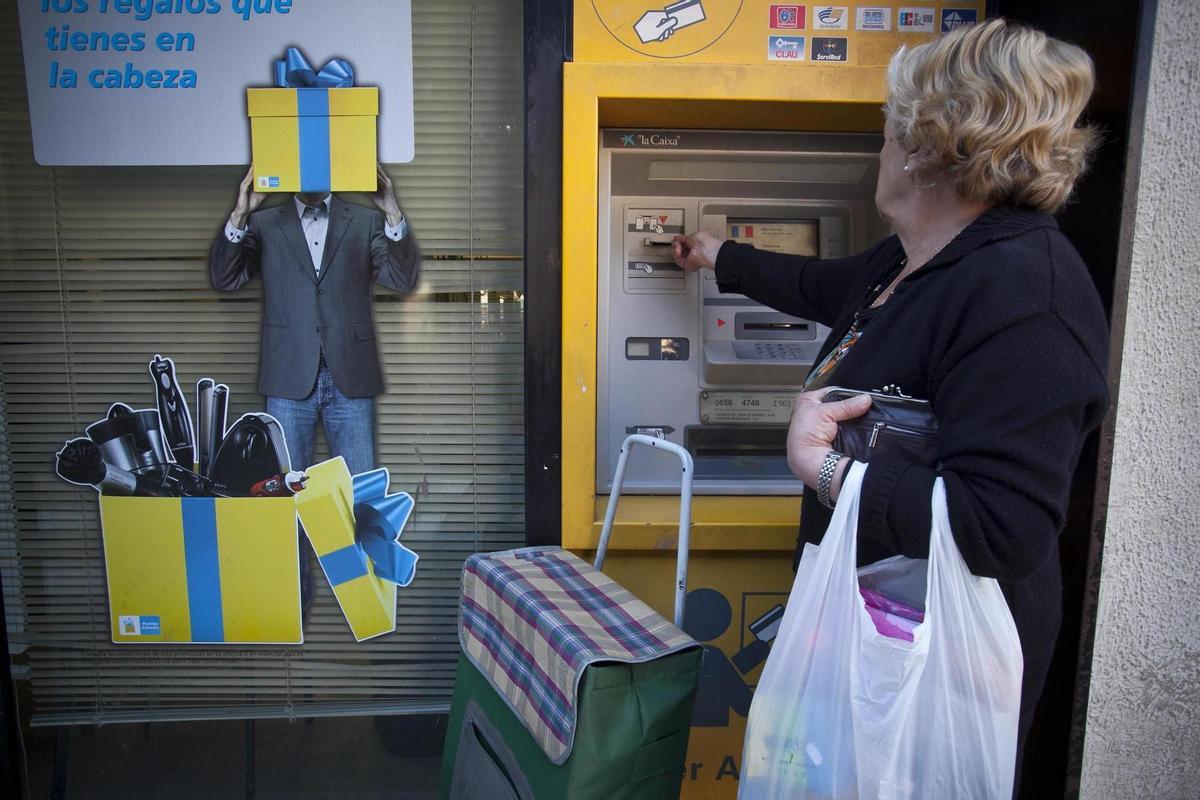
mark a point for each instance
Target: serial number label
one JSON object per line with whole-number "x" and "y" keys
{"x": 746, "y": 408}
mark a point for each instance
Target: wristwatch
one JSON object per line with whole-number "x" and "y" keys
{"x": 825, "y": 477}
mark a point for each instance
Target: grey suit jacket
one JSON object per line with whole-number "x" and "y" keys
{"x": 303, "y": 313}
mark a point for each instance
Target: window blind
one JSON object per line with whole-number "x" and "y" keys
{"x": 100, "y": 268}
{"x": 10, "y": 565}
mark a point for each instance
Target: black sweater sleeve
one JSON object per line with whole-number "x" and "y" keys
{"x": 802, "y": 286}
{"x": 1012, "y": 411}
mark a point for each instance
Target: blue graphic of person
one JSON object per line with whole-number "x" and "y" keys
{"x": 707, "y": 616}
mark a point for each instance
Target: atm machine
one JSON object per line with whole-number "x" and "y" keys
{"x": 677, "y": 359}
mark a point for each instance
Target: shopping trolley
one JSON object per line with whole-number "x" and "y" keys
{"x": 568, "y": 686}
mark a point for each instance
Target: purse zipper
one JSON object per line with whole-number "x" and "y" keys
{"x": 879, "y": 426}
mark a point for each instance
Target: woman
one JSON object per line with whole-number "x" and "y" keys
{"x": 977, "y": 303}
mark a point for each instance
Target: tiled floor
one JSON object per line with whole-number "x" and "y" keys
{"x": 355, "y": 757}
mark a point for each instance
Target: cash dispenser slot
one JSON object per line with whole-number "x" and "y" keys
{"x": 773, "y": 327}
{"x": 759, "y": 325}
{"x": 738, "y": 452}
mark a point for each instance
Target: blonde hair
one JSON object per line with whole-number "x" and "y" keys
{"x": 996, "y": 106}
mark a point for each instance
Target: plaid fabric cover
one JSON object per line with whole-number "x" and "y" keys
{"x": 532, "y": 620}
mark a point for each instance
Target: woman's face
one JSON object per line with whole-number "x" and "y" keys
{"x": 894, "y": 185}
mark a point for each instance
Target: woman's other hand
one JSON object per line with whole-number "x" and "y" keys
{"x": 812, "y": 430}
{"x": 696, "y": 251}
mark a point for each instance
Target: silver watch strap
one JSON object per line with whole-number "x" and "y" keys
{"x": 825, "y": 477}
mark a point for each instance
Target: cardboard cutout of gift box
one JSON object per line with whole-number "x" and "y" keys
{"x": 202, "y": 569}
{"x": 195, "y": 557}
{"x": 316, "y": 132}
{"x": 192, "y": 570}
{"x": 354, "y": 526}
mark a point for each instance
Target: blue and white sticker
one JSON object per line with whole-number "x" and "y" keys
{"x": 139, "y": 625}
{"x": 955, "y": 18}
{"x": 872, "y": 18}
{"x": 268, "y": 181}
{"x": 914, "y": 20}
{"x": 785, "y": 48}
{"x": 830, "y": 18}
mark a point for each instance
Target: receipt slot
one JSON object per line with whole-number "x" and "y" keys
{"x": 677, "y": 359}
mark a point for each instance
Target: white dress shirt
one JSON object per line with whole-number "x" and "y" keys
{"x": 315, "y": 223}
{"x": 314, "y": 220}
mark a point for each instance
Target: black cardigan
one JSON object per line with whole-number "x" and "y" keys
{"x": 1004, "y": 333}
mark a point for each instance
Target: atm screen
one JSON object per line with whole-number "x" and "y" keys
{"x": 798, "y": 237}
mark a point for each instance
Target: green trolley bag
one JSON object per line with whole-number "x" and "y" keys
{"x": 568, "y": 686}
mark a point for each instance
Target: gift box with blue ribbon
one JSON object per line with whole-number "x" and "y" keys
{"x": 316, "y": 132}
{"x": 354, "y": 526}
{"x": 202, "y": 569}
{"x": 226, "y": 569}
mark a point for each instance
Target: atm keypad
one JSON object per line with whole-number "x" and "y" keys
{"x": 771, "y": 351}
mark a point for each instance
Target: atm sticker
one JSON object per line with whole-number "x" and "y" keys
{"x": 915, "y": 20}
{"x": 785, "y": 48}
{"x": 787, "y": 17}
{"x": 746, "y": 408}
{"x": 828, "y": 48}
{"x": 873, "y": 18}
{"x": 739, "y": 231}
{"x": 831, "y": 18}
{"x": 955, "y": 18}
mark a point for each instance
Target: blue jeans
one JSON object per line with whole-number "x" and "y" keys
{"x": 349, "y": 424}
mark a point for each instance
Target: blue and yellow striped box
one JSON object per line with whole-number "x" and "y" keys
{"x": 202, "y": 570}
{"x": 326, "y": 507}
{"x": 314, "y": 140}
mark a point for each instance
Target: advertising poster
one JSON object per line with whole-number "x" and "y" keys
{"x": 163, "y": 82}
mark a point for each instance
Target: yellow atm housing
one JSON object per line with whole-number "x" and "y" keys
{"x": 722, "y": 114}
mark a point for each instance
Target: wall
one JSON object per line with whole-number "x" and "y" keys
{"x": 1143, "y": 728}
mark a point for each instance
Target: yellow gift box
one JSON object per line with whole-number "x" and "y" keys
{"x": 314, "y": 139}
{"x": 326, "y": 509}
{"x": 202, "y": 569}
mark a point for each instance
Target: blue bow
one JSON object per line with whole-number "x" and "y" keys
{"x": 379, "y": 520}
{"x": 294, "y": 72}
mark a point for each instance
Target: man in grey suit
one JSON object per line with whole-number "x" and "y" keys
{"x": 318, "y": 256}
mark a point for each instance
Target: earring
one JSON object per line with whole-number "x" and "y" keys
{"x": 906, "y": 169}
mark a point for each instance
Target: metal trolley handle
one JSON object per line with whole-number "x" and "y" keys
{"x": 685, "y": 511}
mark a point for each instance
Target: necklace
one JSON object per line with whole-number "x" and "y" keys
{"x": 822, "y": 371}
{"x": 905, "y": 270}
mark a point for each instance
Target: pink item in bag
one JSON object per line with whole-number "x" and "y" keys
{"x": 891, "y": 617}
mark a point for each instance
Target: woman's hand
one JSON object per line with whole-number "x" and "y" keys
{"x": 812, "y": 430}
{"x": 696, "y": 251}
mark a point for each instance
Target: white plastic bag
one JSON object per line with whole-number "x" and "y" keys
{"x": 844, "y": 712}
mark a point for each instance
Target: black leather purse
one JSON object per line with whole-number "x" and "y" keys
{"x": 895, "y": 428}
